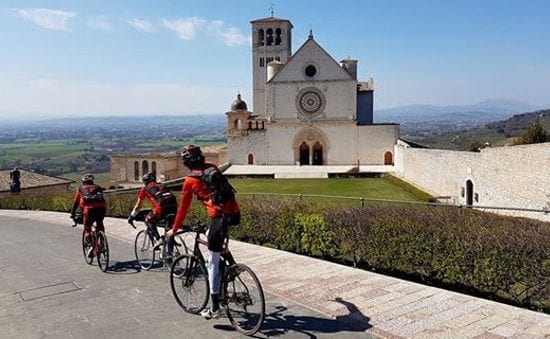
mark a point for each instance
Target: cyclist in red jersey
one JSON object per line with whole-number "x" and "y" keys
{"x": 164, "y": 203}
{"x": 193, "y": 186}
{"x": 89, "y": 198}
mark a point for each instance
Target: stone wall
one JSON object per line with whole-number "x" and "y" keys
{"x": 510, "y": 176}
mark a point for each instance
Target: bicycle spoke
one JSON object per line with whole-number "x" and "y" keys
{"x": 143, "y": 248}
{"x": 85, "y": 248}
{"x": 189, "y": 283}
{"x": 102, "y": 251}
{"x": 244, "y": 299}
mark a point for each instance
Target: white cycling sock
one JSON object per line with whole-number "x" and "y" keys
{"x": 214, "y": 272}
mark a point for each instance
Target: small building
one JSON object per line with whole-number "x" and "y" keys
{"x": 129, "y": 168}
{"x": 33, "y": 183}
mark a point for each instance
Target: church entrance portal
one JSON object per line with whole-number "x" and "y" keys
{"x": 317, "y": 154}
{"x": 310, "y": 147}
{"x": 304, "y": 154}
{"x": 311, "y": 155}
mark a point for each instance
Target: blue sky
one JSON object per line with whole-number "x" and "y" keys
{"x": 134, "y": 57}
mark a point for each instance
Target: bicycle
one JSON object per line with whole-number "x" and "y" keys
{"x": 97, "y": 247}
{"x": 144, "y": 243}
{"x": 241, "y": 293}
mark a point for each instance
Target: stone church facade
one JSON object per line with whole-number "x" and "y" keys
{"x": 308, "y": 109}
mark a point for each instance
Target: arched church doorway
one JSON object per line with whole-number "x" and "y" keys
{"x": 469, "y": 192}
{"x": 304, "y": 154}
{"x": 388, "y": 158}
{"x": 250, "y": 159}
{"x": 310, "y": 147}
{"x": 317, "y": 154}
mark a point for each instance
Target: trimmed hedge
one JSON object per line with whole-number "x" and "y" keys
{"x": 497, "y": 257}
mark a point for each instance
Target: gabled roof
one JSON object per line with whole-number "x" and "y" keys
{"x": 30, "y": 179}
{"x": 313, "y": 45}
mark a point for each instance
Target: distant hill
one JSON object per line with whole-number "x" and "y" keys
{"x": 495, "y": 133}
{"x": 484, "y": 111}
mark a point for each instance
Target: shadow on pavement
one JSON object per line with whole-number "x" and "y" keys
{"x": 124, "y": 267}
{"x": 280, "y": 322}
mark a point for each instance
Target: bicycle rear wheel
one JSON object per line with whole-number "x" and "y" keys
{"x": 243, "y": 299}
{"x": 102, "y": 251}
{"x": 189, "y": 283}
{"x": 143, "y": 248}
{"x": 86, "y": 247}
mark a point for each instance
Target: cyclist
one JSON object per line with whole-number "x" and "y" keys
{"x": 164, "y": 203}
{"x": 89, "y": 198}
{"x": 222, "y": 215}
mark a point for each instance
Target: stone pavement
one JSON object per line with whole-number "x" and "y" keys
{"x": 392, "y": 307}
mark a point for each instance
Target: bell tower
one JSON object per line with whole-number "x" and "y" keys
{"x": 271, "y": 41}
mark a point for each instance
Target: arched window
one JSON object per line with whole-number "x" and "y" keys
{"x": 154, "y": 167}
{"x": 136, "y": 170}
{"x": 261, "y": 37}
{"x": 145, "y": 167}
{"x": 269, "y": 38}
{"x": 240, "y": 124}
{"x": 236, "y": 124}
{"x": 388, "y": 158}
{"x": 250, "y": 159}
{"x": 278, "y": 36}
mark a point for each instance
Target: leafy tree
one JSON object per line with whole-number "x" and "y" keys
{"x": 534, "y": 134}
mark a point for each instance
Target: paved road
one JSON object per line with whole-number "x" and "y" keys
{"x": 46, "y": 290}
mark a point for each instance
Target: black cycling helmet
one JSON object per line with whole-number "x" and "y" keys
{"x": 147, "y": 177}
{"x": 192, "y": 156}
{"x": 88, "y": 178}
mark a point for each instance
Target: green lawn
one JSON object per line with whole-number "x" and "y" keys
{"x": 52, "y": 149}
{"x": 372, "y": 188}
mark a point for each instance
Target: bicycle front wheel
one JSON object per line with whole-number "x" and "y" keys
{"x": 86, "y": 248}
{"x": 243, "y": 299}
{"x": 102, "y": 251}
{"x": 189, "y": 283}
{"x": 143, "y": 248}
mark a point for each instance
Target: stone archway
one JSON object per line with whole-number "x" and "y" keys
{"x": 310, "y": 146}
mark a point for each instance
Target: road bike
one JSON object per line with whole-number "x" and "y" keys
{"x": 144, "y": 244}
{"x": 241, "y": 293}
{"x": 96, "y": 247}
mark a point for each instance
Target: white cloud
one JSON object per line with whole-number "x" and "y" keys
{"x": 231, "y": 36}
{"x": 142, "y": 25}
{"x": 186, "y": 28}
{"x": 100, "y": 23}
{"x": 46, "y": 18}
